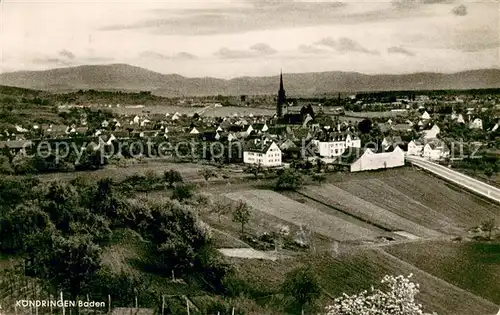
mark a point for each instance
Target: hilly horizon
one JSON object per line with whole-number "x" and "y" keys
{"x": 129, "y": 78}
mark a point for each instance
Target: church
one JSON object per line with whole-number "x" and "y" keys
{"x": 282, "y": 115}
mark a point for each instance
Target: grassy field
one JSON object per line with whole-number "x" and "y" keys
{"x": 472, "y": 266}
{"x": 459, "y": 206}
{"x": 387, "y": 114}
{"x": 189, "y": 171}
{"x": 339, "y": 198}
{"x": 298, "y": 214}
{"x": 382, "y": 195}
{"x": 212, "y": 112}
{"x": 357, "y": 271}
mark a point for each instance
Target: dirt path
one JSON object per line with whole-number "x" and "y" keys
{"x": 249, "y": 253}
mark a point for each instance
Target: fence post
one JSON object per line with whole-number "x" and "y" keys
{"x": 109, "y": 304}
{"x": 62, "y": 301}
{"x": 162, "y": 304}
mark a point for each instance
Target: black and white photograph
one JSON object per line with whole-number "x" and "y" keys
{"x": 249, "y": 157}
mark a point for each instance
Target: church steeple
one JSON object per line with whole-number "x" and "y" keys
{"x": 281, "y": 98}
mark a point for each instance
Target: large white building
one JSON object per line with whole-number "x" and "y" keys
{"x": 373, "y": 161}
{"x": 337, "y": 145}
{"x": 267, "y": 155}
{"x": 436, "y": 150}
{"x": 415, "y": 147}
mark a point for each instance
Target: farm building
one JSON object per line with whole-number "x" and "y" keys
{"x": 265, "y": 154}
{"x": 371, "y": 160}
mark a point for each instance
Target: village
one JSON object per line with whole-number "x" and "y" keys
{"x": 439, "y": 129}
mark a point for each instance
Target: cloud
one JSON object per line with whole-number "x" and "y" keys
{"x": 158, "y": 56}
{"x": 460, "y": 10}
{"x": 263, "y": 49}
{"x": 65, "y": 59}
{"x": 50, "y": 61}
{"x": 67, "y": 54}
{"x": 257, "y": 50}
{"x": 399, "y": 50}
{"x": 241, "y": 16}
{"x": 311, "y": 49}
{"x": 344, "y": 45}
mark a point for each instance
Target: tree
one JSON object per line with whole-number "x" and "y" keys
{"x": 60, "y": 202}
{"x": 19, "y": 226}
{"x": 365, "y": 126}
{"x": 69, "y": 263}
{"x": 172, "y": 177}
{"x": 398, "y": 294}
{"x": 301, "y": 285}
{"x": 255, "y": 170}
{"x": 289, "y": 179}
{"x": 241, "y": 214}
{"x": 183, "y": 192}
{"x": 488, "y": 171}
{"x": 207, "y": 173}
{"x": 319, "y": 178}
{"x": 488, "y": 226}
{"x": 220, "y": 207}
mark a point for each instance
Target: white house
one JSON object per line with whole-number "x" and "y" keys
{"x": 21, "y": 129}
{"x": 431, "y": 133}
{"x": 111, "y": 139}
{"x": 267, "y": 155}
{"x": 265, "y": 128}
{"x": 374, "y": 161}
{"x": 175, "y": 116}
{"x": 249, "y": 130}
{"x": 495, "y": 128}
{"x": 194, "y": 131}
{"x": 338, "y": 145}
{"x": 425, "y": 116}
{"x": 389, "y": 141}
{"x": 460, "y": 119}
{"x": 415, "y": 147}
{"x": 145, "y": 122}
{"x": 476, "y": 124}
{"x": 436, "y": 150}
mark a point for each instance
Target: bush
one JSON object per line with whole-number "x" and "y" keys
{"x": 172, "y": 177}
{"x": 289, "y": 180}
{"x": 488, "y": 171}
{"x": 183, "y": 192}
{"x": 5, "y": 166}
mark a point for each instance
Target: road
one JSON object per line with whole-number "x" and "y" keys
{"x": 465, "y": 181}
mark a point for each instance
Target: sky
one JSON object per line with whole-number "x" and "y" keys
{"x": 228, "y": 38}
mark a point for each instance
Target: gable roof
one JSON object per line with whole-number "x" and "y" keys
{"x": 260, "y": 148}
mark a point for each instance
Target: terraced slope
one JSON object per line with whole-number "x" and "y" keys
{"x": 339, "y": 198}
{"x": 385, "y": 196}
{"x": 298, "y": 214}
{"x": 458, "y": 205}
{"x": 355, "y": 272}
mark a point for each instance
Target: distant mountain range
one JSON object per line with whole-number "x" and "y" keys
{"x": 130, "y": 78}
